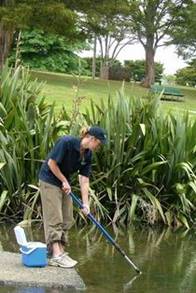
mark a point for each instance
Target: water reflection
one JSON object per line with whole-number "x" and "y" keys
{"x": 30, "y": 290}
{"x": 129, "y": 284}
{"x": 34, "y": 290}
{"x": 166, "y": 258}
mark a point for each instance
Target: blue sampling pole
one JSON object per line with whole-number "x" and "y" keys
{"x": 78, "y": 202}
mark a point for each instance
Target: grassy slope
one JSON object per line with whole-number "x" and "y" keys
{"x": 61, "y": 88}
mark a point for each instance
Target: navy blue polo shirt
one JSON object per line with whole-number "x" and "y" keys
{"x": 66, "y": 153}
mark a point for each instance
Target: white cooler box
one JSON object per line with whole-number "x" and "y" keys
{"x": 34, "y": 254}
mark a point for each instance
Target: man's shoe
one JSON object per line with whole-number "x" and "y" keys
{"x": 63, "y": 261}
{"x": 67, "y": 257}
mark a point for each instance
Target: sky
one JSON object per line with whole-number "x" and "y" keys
{"x": 164, "y": 55}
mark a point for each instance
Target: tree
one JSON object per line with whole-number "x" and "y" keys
{"x": 46, "y": 51}
{"x": 107, "y": 24}
{"x": 184, "y": 34}
{"x": 152, "y": 21}
{"x": 148, "y": 21}
{"x": 51, "y": 16}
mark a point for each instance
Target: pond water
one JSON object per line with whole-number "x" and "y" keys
{"x": 166, "y": 258}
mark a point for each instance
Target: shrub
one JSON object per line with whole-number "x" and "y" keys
{"x": 186, "y": 76}
{"x": 119, "y": 72}
{"x": 137, "y": 69}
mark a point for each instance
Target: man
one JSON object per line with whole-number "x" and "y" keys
{"x": 69, "y": 155}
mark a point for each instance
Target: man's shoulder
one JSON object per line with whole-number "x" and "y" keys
{"x": 67, "y": 138}
{"x": 70, "y": 140}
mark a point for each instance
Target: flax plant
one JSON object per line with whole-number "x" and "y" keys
{"x": 28, "y": 128}
{"x": 147, "y": 170}
{"x": 145, "y": 173}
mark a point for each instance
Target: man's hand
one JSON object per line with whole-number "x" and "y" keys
{"x": 57, "y": 172}
{"x": 66, "y": 187}
{"x": 86, "y": 209}
{"x": 84, "y": 187}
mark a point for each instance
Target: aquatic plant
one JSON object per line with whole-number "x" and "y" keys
{"x": 145, "y": 173}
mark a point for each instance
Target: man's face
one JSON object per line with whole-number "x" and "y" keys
{"x": 94, "y": 143}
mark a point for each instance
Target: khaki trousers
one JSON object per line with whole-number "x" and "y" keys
{"x": 57, "y": 208}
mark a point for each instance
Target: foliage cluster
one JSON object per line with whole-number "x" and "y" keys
{"x": 27, "y": 130}
{"x": 145, "y": 173}
{"x": 187, "y": 75}
{"x": 51, "y": 16}
{"x": 147, "y": 170}
{"x": 137, "y": 69}
{"x": 46, "y": 51}
{"x": 184, "y": 33}
{"x": 130, "y": 70}
{"x": 119, "y": 72}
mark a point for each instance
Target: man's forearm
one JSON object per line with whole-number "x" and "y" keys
{"x": 56, "y": 171}
{"x": 84, "y": 188}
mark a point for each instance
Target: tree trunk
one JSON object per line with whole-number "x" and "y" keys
{"x": 94, "y": 58}
{"x": 150, "y": 66}
{"x": 6, "y": 39}
{"x": 104, "y": 71}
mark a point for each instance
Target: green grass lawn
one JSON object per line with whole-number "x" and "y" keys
{"x": 61, "y": 89}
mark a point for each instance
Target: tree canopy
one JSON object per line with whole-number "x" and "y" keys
{"x": 107, "y": 22}
{"x": 53, "y": 16}
{"x": 50, "y": 16}
{"x": 46, "y": 51}
{"x": 152, "y": 21}
{"x": 184, "y": 33}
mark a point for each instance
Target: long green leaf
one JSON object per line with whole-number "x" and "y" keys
{"x": 155, "y": 202}
{"x": 3, "y": 199}
{"x": 2, "y": 164}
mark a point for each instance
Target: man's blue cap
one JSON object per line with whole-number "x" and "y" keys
{"x": 99, "y": 133}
